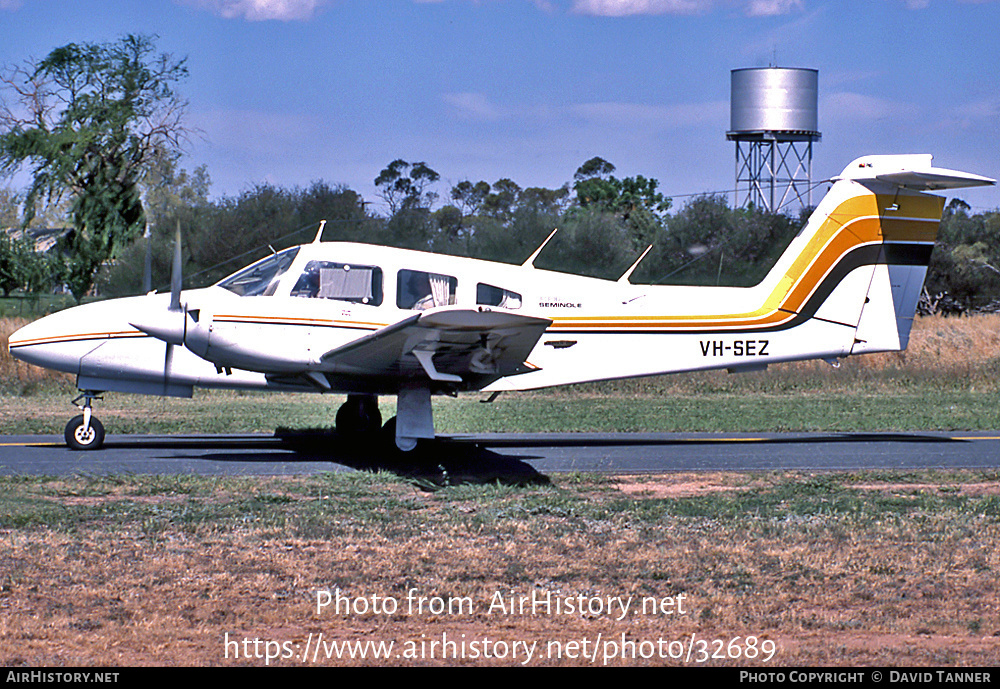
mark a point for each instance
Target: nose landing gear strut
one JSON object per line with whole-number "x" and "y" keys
{"x": 84, "y": 431}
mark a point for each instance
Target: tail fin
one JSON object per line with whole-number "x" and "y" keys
{"x": 862, "y": 257}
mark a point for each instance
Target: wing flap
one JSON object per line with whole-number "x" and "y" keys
{"x": 460, "y": 347}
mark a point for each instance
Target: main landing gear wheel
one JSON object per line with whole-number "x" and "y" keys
{"x": 359, "y": 416}
{"x": 83, "y": 436}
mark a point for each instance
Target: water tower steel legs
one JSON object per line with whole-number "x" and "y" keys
{"x": 768, "y": 168}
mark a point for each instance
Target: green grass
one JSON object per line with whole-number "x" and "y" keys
{"x": 924, "y": 410}
{"x": 919, "y": 408}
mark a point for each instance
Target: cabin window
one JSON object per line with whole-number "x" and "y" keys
{"x": 417, "y": 290}
{"x": 261, "y": 278}
{"x": 489, "y": 295}
{"x": 342, "y": 281}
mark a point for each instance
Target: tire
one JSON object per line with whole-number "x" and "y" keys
{"x": 93, "y": 439}
{"x": 359, "y": 416}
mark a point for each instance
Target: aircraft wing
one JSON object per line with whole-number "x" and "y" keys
{"x": 460, "y": 347}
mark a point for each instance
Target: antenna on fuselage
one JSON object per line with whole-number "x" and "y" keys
{"x": 628, "y": 273}
{"x": 319, "y": 233}
{"x": 530, "y": 263}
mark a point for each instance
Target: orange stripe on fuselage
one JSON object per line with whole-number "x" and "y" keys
{"x": 77, "y": 336}
{"x": 279, "y": 320}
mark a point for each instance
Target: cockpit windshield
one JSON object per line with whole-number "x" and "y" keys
{"x": 260, "y": 279}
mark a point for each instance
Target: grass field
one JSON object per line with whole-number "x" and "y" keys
{"x": 767, "y": 570}
{"x": 752, "y": 569}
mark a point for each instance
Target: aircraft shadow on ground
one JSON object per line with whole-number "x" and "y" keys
{"x": 465, "y": 460}
{"x": 437, "y": 462}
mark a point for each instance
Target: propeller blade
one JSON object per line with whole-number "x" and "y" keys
{"x": 176, "y": 278}
{"x": 167, "y": 361}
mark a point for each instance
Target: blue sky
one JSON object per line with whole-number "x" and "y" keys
{"x": 292, "y": 91}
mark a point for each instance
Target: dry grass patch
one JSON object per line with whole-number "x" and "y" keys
{"x": 886, "y": 569}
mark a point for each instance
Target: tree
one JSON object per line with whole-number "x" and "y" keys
{"x": 21, "y": 267}
{"x": 594, "y": 185}
{"x": 9, "y": 209}
{"x": 11, "y": 268}
{"x": 633, "y": 204}
{"x": 171, "y": 197}
{"x": 502, "y": 201}
{"x": 469, "y": 196}
{"x": 90, "y": 120}
{"x": 709, "y": 243}
{"x": 966, "y": 260}
{"x": 403, "y": 185}
{"x": 595, "y": 167}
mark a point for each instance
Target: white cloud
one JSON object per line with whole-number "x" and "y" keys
{"x": 847, "y": 107}
{"x": 11, "y": 4}
{"x": 478, "y": 107}
{"x": 771, "y": 8}
{"x": 658, "y": 117}
{"x": 474, "y": 106}
{"x": 624, "y": 8}
{"x": 255, "y": 133}
{"x": 261, "y": 10}
{"x": 924, "y": 4}
{"x": 971, "y": 115}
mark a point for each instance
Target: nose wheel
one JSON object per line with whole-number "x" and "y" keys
{"x": 84, "y": 431}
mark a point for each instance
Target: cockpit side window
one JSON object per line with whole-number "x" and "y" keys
{"x": 497, "y": 296}
{"x": 261, "y": 278}
{"x": 417, "y": 290}
{"x": 343, "y": 281}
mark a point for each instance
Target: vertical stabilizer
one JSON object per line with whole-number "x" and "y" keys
{"x": 860, "y": 261}
{"x": 899, "y": 224}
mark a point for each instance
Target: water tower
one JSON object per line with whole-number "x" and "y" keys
{"x": 773, "y": 120}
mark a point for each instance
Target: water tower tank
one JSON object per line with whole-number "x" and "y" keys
{"x": 774, "y": 99}
{"x": 773, "y": 120}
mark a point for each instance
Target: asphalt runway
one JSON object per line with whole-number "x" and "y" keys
{"x": 506, "y": 457}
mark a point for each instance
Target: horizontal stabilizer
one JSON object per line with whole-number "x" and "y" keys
{"x": 911, "y": 172}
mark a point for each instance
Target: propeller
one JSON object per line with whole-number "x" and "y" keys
{"x": 176, "y": 282}
{"x": 176, "y": 278}
{"x": 170, "y": 325}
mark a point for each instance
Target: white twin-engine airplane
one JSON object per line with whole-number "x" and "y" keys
{"x": 364, "y": 320}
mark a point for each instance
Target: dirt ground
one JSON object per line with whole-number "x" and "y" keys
{"x": 489, "y": 589}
